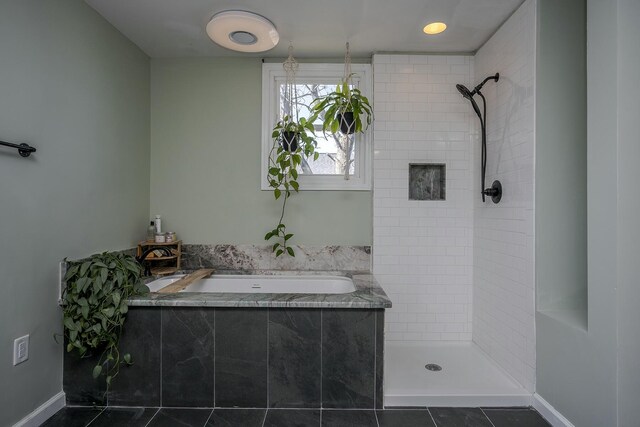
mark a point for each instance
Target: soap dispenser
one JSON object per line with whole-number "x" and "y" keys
{"x": 158, "y": 225}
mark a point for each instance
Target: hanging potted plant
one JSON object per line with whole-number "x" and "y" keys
{"x": 291, "y": 140}
{"x": 293, "y": 143}
{"x": 287, "y": 133}
{"x": 345, "y": 109}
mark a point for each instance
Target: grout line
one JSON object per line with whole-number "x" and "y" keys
{"x": 375, "y": 359}
{"x": 208, "y": 418}
{"x": 94, "y": 418}
{"x": 375, "y": 413}
{"x": 154, "y": 415}
{"x": 161, "y": 334}
{"x": 268, "y": 341}
{"x": 214, "y": 360}
{"x": 321, "y": 364}
{"x": 487, "y": 417}
{"x": 431, "y": 415}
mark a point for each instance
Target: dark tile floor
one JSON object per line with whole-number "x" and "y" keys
{"x": 191, "y": 417}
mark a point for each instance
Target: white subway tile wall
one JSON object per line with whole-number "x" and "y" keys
{"x": 423, "y": 249}
{"x": 503, "y": 273}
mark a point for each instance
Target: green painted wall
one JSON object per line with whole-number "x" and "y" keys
{"x": 561, "y": 159}
{"x": 79, "y": 91}
{"x": 205, "y": 162}
{"x": 592, "y": 376}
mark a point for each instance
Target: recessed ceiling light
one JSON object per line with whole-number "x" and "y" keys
{"x": 435, "y": 28}
{"x": 242, "y": 31}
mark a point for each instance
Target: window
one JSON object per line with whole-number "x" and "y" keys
{"x": 336, "y": 151}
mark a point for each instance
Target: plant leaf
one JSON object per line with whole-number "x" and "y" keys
{"x": 85, "y": 266}
{"x": 97, "y": 370}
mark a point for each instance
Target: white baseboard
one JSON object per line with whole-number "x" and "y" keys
{"x": 43, "y": 412}
{"x": 555, "y": 418}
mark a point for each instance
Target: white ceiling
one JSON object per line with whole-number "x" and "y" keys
{"x": 317, "y": 28}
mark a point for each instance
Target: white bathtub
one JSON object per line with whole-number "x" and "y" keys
{"x": 258, "y": 284}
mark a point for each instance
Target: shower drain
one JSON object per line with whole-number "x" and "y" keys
{"x": 433, "y": 367}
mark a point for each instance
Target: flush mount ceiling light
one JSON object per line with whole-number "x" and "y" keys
{"x": 242, "y": 31}
{"x": 434, "y": 28}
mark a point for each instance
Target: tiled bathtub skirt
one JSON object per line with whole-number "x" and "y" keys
{"x": 238, "y": 357}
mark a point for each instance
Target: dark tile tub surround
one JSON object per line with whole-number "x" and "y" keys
{"x": 260, "y": 257}
{"x": 79, "y": 385}
{"x": 139, "y": 384}
{"x": 241, "y": 357}
{"x": 187, "y": 356}
{"x": 294, "y": 358}
{"x": 229, "y": 350}
{"x": 348, "y": 347}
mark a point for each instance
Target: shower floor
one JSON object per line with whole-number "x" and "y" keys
{"x": 468, "y": 377}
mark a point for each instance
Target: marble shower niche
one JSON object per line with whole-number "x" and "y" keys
{"x": 427, "y": 181}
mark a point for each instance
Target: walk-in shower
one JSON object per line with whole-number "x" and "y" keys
{"x": 495, "y": 192}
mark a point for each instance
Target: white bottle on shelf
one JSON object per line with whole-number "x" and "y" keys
{"x": 158, "y": 225}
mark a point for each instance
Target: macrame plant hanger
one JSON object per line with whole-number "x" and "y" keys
{"x": 290, "y": 93}
{"x": 349, "y": 140}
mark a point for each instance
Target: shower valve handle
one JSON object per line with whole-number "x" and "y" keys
{"x": 495, "y": 192}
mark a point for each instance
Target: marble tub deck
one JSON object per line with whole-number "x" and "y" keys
{"x": 368, "y": 295}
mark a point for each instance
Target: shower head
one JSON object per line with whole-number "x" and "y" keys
{"x": 469, "y": 95}
{"x": 464, "y": 91}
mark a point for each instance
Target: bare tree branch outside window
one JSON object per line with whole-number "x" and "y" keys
{"x": 337, "y": 151}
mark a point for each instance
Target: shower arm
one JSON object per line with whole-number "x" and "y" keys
{"x": 477, "y": 88}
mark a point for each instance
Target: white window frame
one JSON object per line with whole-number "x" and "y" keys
{"x": 272, "y": 74}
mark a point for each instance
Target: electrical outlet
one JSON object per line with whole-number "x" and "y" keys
{"x": 20, "y": 350}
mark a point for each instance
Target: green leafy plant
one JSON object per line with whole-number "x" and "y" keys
{"x": 95, "y": 308}
{"x": 336, "y": 106}
{"x": 284, "y": 160}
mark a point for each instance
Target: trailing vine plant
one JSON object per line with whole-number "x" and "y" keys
{"x": 95, "y": 308}
{"x": 292, "y": 138}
